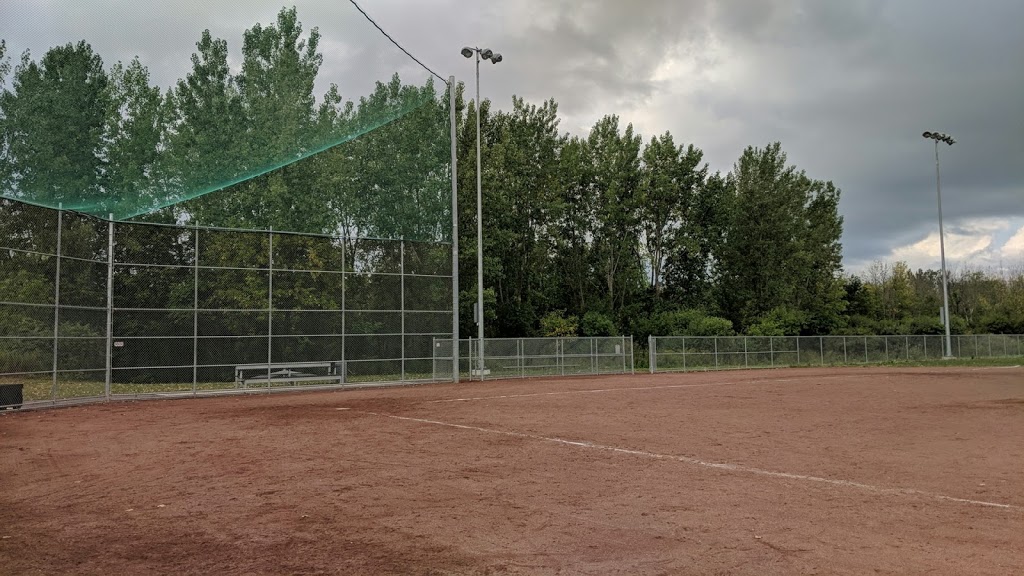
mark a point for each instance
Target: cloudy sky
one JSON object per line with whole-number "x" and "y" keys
{"x": 847, "y": 86}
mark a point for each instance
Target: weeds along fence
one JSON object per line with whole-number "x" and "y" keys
{"x": 94, "y": 309}
{"x": 679, "y": 353}
{"x": 531, "y": 357}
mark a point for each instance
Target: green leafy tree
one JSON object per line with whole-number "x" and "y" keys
{"x": 615, "y": 161}
{"x": 893, "y": 289}
{"x": 819, "y": 284}
{"x": 275, "y": 93}
{"x": 691, "y": 272}
{"x": 54, "y": 119}
{"x": 133, "y": 134}
{"x": 521, "y": 184}
{"x": 781, "y": 246}
{"x": 573, "y": 224}
{"x": 468, "y": 223}
{"x": 671, "y": 179}
{"x": 973, "y": 294}
{"x": 203, "y": 149}
{"x": 275, "y": 85}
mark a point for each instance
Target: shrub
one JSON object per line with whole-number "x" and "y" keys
{"x": 781, "y": 321}
{"x": 596, "y": 324}
{"x": 557, "y": 324}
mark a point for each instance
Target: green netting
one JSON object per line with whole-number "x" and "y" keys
{"x": 254, "y": 148}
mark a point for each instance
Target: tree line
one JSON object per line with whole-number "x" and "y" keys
{"x": 611, "y": 234}
{"x": 251, "y": 148}
{"x": 597, "y": 234}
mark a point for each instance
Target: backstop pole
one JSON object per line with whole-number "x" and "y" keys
{"x": 455, "y": 235}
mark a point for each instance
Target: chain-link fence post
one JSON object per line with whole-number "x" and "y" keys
{"x": 821, "y": 348}
{"x": 633, "y": 369}
{"x": 344, "y": 331}
{"x": 746, "y": 362}
{"x": 716, "y": 352}
{"x": 270, "y": 302}
{"x": 560, "y": 347}
{"x": 886, "y": 340}
{"x": 623, "y": 354}
{"x": 771, "y": 351}
{"x": 593, "y": 358}
{"x": 110, "y": 307}
{"x": 797, "y": 350}
{"x": 401, "y": 276}
{"x": 521, "y": 357}
{"x": 56, "y": 303}
{"x": 195, "y": 310}
{"x": 651, "y": 367}
{"x": 846, "y": 358}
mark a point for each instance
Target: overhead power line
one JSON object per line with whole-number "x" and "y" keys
{"x": 377, "y": 26}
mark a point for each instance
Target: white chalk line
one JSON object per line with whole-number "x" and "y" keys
{"x": 601, "y": 390}
{"x": 713, "y": 465}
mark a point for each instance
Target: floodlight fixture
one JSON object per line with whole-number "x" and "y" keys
{"x": 486, "y": 53}
{"x": 495, "y": 58}
{"x": 940, "y": 137}
{"x": 467, "y": 52}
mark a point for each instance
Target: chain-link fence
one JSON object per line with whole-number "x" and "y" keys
{"x": 526, "y": 357}
{"x": 93, "y": 309}
{"x": 679, "y": 353}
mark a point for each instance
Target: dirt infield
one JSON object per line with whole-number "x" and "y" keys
{"x": 802, "y": 471}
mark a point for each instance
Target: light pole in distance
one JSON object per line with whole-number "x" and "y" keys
{"x": 486, "y": 54}
{"x": 940, "y": 137}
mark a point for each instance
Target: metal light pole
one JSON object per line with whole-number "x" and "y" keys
{"x": 487, "y": 54}
{"x": 455, "y": 233}
{"x": 940, "y": 137}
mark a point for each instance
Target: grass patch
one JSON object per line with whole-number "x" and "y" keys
{"x": 1002, "y": 361}
{"x": 41, "y": 389}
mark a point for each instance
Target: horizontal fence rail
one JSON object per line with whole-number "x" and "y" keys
{"x": 530, "y": 357}
{"x": 98, "y": 310}
{"x": 685, "y": 353}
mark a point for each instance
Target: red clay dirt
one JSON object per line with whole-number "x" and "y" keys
{"x": 797, "y": 471}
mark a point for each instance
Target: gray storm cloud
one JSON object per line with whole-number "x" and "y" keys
{"x": 847, "y": 87}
